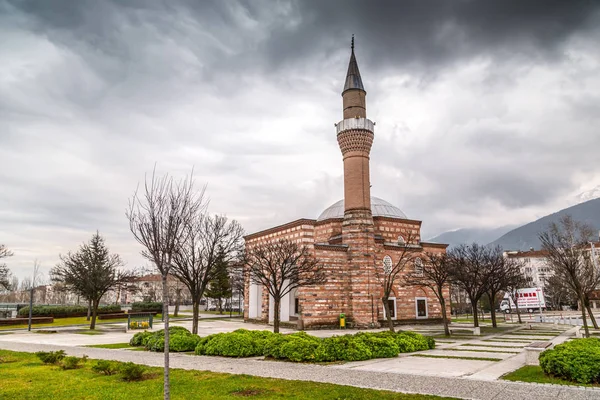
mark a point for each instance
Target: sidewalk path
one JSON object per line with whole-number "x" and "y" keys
{"x": 450, "y": 387}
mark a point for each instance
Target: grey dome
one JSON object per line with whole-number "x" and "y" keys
{"x": 379, "y": 208}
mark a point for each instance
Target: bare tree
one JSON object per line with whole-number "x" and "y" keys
{"x": 567, "y": 247}
{"x": 513, "y": 284}
{"x": 91, "y": 272}
{"x": 158, "y": 218}
{"x": 469, "y": 272}
{"x": 557, "y": 291}
{"x": 501, "y": 272}
{"x": 389, "y": 275}
{"x": 282, "y": 266}
{"x": 434, "y": 274}
{"x": 195, "y": 260}
{"x": 4, "y": 271}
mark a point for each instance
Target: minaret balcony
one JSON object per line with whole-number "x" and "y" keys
{"x": 355, "y": 123}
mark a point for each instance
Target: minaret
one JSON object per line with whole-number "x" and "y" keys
{"x": 355, "y": 137}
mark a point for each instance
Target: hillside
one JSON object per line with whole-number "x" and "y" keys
{"x": 526, "y": 236}
{"x": 471, "y": 235}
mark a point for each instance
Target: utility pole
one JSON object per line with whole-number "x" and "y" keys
{"x": 36, "y": 267}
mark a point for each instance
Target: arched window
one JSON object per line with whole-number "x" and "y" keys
{"x": 387, "y": 265}
{"x": 401, "y": 240}
{"x": 418, "y": 266}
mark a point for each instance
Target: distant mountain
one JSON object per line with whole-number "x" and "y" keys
{"x": 526, "y": 236}
{"x": 587, "y": 195}
{"x": 471, "y": 235}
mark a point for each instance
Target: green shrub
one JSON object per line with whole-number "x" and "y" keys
{"x": 149, "y": 306}
{"x": 50, "y": 357}
{"x": 577, "y": 360}
{"x": 300, "y": 349}
{"x": 105, "y": 367}
{"x": 380, "y": 346}
{"x": 65, "y": 311}
{"x": 239, "y": 343}
{"x": 140, "y": 338}
{"x": 274, "y": 344}
{"x": 156, "y": 341}
{"x": 71, "y": 362}
{"x": 132, "y": 372}
{"x": 181, "y": 342}
{"x": 342, "y": 348}
{"x": 233, "y": 345}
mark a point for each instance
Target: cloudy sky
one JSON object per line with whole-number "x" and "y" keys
{"x": 487, "y": 112}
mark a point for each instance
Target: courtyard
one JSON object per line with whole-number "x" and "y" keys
{"x": 462, "y": 366}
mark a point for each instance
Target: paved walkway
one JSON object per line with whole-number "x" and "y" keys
{"x": 406, "y": 383}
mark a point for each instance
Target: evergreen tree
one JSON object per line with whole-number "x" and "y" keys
{"x": 219, "y": 287}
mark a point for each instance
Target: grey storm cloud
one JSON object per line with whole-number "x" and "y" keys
{"x": 487, "y": 112}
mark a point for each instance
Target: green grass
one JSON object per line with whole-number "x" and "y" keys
{"x": 483, "y": 351}
{"x": 492, "y": 345}
{"x": 111, "y": 346}
{"x": 506, "y": 341}
{"x": 457, "y": 357}
{"x": 459, "y": 337}
{"x": 72, "y": 321}
{"x": 534, "y": 373}
{"x": 89, "y": 332}
{"x": 25, "y": 377}
{"x": 489, "y": 329}
{"x": 534, "y": 334}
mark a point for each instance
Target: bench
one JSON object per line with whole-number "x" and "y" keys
{"x": 475, "y": 330}
{"x": 533, "y": 350}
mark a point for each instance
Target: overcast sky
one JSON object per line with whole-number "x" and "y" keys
{"x": 487, "y": 112}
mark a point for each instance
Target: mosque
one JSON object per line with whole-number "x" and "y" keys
{"x": 351, "y": 238}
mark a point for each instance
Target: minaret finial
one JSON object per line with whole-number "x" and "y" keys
{"x": 352, "y": 45}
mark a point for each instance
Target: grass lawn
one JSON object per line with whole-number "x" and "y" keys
{"x": 457, "y": 357}
{"x": 63, "y": 322}
{"x": 482, "y": 351}
{"x": 534, "y": 373}
{"x": 112, "y": 346}
{"x": 25, "y": 377}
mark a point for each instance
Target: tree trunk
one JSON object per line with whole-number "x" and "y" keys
{"x": 167, "y": 386}
{"x": 220, "y": 302}
{"x": 583, "y": 316}
{"x": 590, "y": 313}
{"x": 177, "y": 296}
{"x": 276, "y": 315}
{"x": 475, "y": 313}
{"x": 195, "y": 316}
{"x": 444, "y": 314}
{"x": 89, "y": 311}
{"x": 493, "y": 310}
{"x": 94, "y": 313}
{"x": 388, "y": 315}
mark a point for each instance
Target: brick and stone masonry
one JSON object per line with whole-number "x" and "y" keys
{"x": 350, "y": 239}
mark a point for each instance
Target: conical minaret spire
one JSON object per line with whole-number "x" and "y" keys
{"x": 353, "y": 79}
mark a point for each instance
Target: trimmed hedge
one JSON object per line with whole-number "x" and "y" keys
{"x": 301, "y": 347}
{"x": 577, "y": 360}
{"x": 65, "y": 311}
{"x": 147, "y": 306}
{"x": 180, "y": 339}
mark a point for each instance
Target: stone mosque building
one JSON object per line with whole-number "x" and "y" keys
{"x": 351, "y": 238}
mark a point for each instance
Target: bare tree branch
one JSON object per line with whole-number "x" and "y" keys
{"x": 281, "y": 266}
